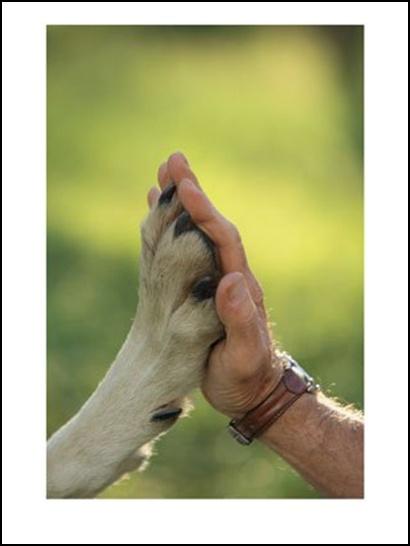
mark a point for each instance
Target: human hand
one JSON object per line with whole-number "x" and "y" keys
{"x": 244, "y": 367}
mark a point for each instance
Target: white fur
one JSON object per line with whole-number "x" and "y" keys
{"x": 161, "y": 360}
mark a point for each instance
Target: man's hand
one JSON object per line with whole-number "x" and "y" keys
{"x": 320, "y": 439}
{"x": 242, "y": 368}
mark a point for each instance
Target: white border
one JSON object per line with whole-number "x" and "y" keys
{"x": 28, "y": 517}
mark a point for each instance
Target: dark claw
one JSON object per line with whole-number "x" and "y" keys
{"x": 165, "y": 414}
{"x": 167, "y": 195}
{"x": 204, "y": 289}
{"x": 184, "y": 224}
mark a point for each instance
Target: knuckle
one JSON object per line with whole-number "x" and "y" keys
{"x": 248, "y": 318}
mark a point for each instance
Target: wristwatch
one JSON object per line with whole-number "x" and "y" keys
{"x": 294, "y": 382}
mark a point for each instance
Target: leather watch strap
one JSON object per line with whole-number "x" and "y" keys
{"x": 293, "y": 383}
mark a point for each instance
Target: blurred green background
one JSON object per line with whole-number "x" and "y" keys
{"x": 271, "y": 120}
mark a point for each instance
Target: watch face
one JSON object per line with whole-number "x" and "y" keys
{"x": 301, "y": 372}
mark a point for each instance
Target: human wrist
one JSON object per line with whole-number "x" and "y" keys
{"x": 246, "y": 396}
{"x": 294, "y": 426}
{"x": 292, "y": 384}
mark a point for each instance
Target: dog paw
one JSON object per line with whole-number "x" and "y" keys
{"x": 179, "y": 274}
{"x": 162, "y": 360}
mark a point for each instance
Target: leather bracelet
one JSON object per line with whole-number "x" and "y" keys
{"x": 293, "y": 383}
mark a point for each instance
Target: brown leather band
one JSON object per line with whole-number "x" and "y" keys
{"x": 291, "y": 386}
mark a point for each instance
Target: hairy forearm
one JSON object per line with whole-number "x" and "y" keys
{"x": 323, "y": 442}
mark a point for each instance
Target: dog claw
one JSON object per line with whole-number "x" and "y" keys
{"x": 204, "y": 289}
{"x": 184, "y": 224}
{"x": 167, "y": 195}
{"x": 165, "y": 414}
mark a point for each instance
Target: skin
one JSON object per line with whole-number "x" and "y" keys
{"x": 322, "y": 440}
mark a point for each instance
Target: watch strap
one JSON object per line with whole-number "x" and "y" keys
{"x": 293, "y": 383}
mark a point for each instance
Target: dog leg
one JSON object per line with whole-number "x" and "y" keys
{"x": 161, "y": 361}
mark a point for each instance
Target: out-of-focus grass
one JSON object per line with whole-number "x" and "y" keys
{"x": 270, "y": 118}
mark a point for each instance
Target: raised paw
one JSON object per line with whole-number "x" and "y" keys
{"x": 179, "y": 274}
{"x": 162, "y": 360}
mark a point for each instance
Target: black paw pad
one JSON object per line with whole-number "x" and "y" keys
{"x": 183, "y": 224}
{"x": 167, "y": 195}
{"x": 166, "y": 414}
{"x": 204, "y": 289}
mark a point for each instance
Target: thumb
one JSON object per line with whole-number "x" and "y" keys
{"x": 238, "y": 313}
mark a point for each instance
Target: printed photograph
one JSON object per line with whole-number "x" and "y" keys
{"x": 205, "y": 262}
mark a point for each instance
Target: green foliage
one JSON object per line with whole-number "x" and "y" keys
{"x": 271, "y": 120}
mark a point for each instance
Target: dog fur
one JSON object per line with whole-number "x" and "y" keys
{"x": 161, "y": 361}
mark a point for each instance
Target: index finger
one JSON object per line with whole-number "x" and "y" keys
{"x": 222, "y": 232}
{"x": 174, "y": 170}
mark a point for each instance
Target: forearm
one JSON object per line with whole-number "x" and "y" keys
{"x": 323, "y": 442}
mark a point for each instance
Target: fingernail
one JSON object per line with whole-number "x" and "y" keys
{"x": 237, "y": 292}
{"x": 183, "y": 157}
